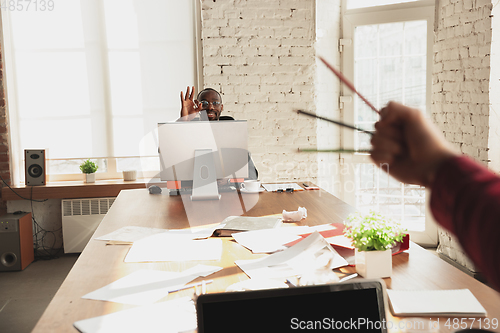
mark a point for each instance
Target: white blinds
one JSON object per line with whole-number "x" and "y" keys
{"x": 91, "y": 78}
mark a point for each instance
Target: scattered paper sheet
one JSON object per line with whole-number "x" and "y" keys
{"x": 193, "y": 233}
{"x": 323, "y": 227}
{"x": 131, "y": 234}
{"x": 459, "y": 302}
{"x": 272, "y": 240}
{"x": 296, "y": 260}
{"x": 167, "y": 247}
{"x": 178, "y": 315}
{"x": 341, "y": 240}
{"x": 256, "y": 284}
{"x": 148, "y": 286}
{"x": 235, "y": 224}
{"x": 269, "y": 240}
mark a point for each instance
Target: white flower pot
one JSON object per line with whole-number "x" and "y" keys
{"x": 373, "y": 264}
{"x": 90, "y": 177}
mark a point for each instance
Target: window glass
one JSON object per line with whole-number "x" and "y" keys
{"x": 125, "y": 80}
{"x": 38, "y": 28}
{"x": 376, "y": 190}
{"x": 93, "y": 78}
{"x": 389, "y": 64}
{"x": 51, "y": 84}
{"x": 353, "y": 4}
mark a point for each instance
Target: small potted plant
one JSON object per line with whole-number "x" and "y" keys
{"x": 373, "y": 237}
{"x": 89, "y": 168}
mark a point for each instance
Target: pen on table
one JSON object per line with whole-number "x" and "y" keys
{"x": 348, "y": 277}
{"x": 193, "y": 285}
{"x": 309, "y": 187}
{"x": 333, "y": 121}
{"x": 348, "y": 84}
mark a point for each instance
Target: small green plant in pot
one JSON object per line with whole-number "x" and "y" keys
{"x": 89, "y": 168}
{"x": 373, "y": 236}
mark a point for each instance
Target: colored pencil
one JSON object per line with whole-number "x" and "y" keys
{"x": 345, "y": 151}
{"x": 333, "y": 121}
{"x": 348, "y": 84}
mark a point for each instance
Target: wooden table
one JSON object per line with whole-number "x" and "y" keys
{"x": 100, "y": 264}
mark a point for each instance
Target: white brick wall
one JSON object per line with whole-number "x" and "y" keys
{"x": 462, "y": 80}
{"x": 461, "y": 74}
{"x": 494, "y": 87}
{"x": 260, "y": 55}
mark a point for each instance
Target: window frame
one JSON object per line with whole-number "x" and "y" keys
{"x": 16, "y": 151}
{"x": 410, "y": 11}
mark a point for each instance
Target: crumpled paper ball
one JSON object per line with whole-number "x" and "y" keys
{"x": 295, "y": 216}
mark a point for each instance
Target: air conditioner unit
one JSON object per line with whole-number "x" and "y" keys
{"x": 80, "y": 218}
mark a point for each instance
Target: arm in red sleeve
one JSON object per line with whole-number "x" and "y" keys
{"x": 465, "y": 199}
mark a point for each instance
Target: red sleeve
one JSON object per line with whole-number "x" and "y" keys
{"x": 465, "y": 199}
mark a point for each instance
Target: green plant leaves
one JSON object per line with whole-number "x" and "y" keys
{"x": 88, "y": 167}
{"x": 373, "y": 232}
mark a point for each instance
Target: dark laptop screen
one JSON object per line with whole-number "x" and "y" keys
{"x": 289, "y": 311}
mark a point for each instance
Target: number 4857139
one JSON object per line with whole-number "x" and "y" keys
{"x": 27, "y": 5}
{"x": 463, "y": 323}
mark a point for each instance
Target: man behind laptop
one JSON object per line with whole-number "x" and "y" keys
{"x": 208, "y": 104}
{"x": 208, "y": 100}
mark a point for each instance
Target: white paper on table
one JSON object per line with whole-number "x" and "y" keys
{"x": 322, "y": 227}
{"x": 299, "y": 259}
{"x": 167, "y": 247}
{"x": 269, "y": 240}
{"x": 193, "y": 233}
{"x": 131, "y": 234}
{"x": 178, "y": 315}
{"x": 449, "y": 303}
{"x": 148, "y": 286}
{"x": 341, "y": 241}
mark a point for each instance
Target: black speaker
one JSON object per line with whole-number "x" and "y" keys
{"x": 16, "y": 242}
{"x": 34, "y": 167}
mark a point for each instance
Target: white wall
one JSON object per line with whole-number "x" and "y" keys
{"x": 494, "y": 131}
{"x": 465, "y": 83}
{"x": 260, "y": 55}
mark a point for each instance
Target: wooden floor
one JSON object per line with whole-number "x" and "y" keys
{"x": 24, "y": 295}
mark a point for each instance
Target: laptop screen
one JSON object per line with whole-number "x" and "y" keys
{"x": 340, "y": 307}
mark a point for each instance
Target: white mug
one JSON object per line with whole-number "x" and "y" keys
{"x": 129, "y": 175}
{"x": 251, "y": 185}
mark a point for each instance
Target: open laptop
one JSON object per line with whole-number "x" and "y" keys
{"x": 357, "y": 305}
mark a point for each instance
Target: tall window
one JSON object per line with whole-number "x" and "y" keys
{"x": 92, "y": 78}
{"x": 388, "y": 60}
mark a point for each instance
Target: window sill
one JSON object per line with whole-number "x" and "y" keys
{"x": 73, "y": 189}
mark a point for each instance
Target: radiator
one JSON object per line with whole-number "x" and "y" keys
{"x": 80, "y": 218}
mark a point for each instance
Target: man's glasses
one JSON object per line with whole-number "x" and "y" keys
{"x": 205, "y": 104}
